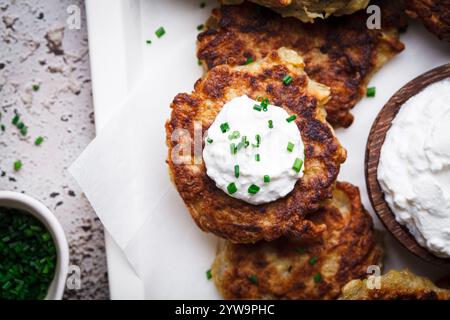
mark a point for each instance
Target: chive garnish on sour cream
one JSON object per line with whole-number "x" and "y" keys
{"x": 232, "y": 188}
{"x": 253, "y": 189}
{"x": 236, "y": 171}
{"x": 291, "y": 118}
{"x": 297, "y": 164}
{"x": 224, "y": 127}
{"x": 160, "y": 32}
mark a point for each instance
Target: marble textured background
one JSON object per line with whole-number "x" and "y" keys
{"x": 38, "y": 50}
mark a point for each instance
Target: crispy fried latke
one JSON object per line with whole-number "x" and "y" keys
{"x": 339, "y": 52}
{"x": 313, "y": 268}
{"x": 398, "y": 285}
{"x": 233, "y": 219}
{"x": 434, "y": 14}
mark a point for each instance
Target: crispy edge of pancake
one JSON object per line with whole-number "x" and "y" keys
{"x": 339, "y": 52}
{"x": 435, "y": 15}
{"x": 344, "y": 250}
{"x": 233, "y": 219}
{"x": 308, "y": 10}
{"x": 398, "y": 285}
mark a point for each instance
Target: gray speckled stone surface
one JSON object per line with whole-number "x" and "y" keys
{"x": 38, "y": 48}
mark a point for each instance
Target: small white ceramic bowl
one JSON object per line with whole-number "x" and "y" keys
{"x": 26, "y": 203}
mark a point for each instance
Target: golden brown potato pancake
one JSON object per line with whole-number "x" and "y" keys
{"x": 307, "y": 268}
{"x": 339, "y": 52}
{"x": 308, "y": 10}
{"x": 233, "y": 219}
{"x": 398, "y": 285}
{"x": 435, "y": 15}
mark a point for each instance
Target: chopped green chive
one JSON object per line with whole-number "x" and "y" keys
{"x": 257, "y": 107}
{"x": 236, "y": 171}
{"x": 208, "y": 274}
{"x": 2, "y": 127}
{"x": 248, "y": 61}
{"x": 200, "y": 27}
{"x": 24, "y": 131}
{"x": 148, "y": 41}
{"x": 38, "y": 140}
{"x": 234, "y": 135}
{"x": 265, "y": 103}
{"x": 297, "y": 165}
{"x": 15, "y": 120}
{"x": 35, "y": 87}
{"x": 243, "y": 143}
{"x": 287, "y": 80}
{"x": 371, "y": 92}
{"x": 233, "y": 148}
{"x": 253, "y": 189}
{"x": 160, "y": 32}
{"x": 313, "y": 261}
{"x": 202, "y": 5}
{"x": 253, "y": 279}
{"x": 257, "y": 157}
{"x": 266, "y": 179}
{"x": 290, "y": 146}
{"x": 317, "y": 277}
{"x": 232, "y": 188}
{"x": 20, "y": 125}
{"x": 258, "y": 140}
{"x": 209, "y": 140}
{"x": 270, "y": 124}
{"x": 17, "y": 165}
{"x": 224, "y": 127}
{"x": 199, "y": 62}
{"x": 291, "y": 118}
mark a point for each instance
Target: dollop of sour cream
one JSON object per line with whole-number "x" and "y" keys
{"x": 254, "y": 153}
{"x": 414, "y": 167}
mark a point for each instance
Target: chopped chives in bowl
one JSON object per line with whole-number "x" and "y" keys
{"x": 27, "y": 256}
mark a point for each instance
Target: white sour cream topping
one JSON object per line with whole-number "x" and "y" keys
{"x": 275, "y": 159}
{"x": 414, "y": 168}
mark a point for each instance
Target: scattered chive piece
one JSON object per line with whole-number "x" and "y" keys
{"x": 287, "y": 80}
{"x": 24, "y": 131}
{"x": 160, "y": 32}
{"x": 300, "y": 250}
{"x": 2, "y": 126}
{"x": 236, "y": 171}
{"x": 371, "y": 91}
{"x": 266, "y": 179}
{"x": 253, "y": 189}
{"x": 248, "y": 61}
{"x": 231, "y": 188}
{"x": 291, "y": 118}
{"x": 202, "y": 5}
{"x": 200, "y": 27}
{"x": 35, "y": 87}
{"x": 233, "y": 148}
{"x": 313, "y": 261}
{"x": 317, "y": 277}
{"x": 17, "y": 165}
{"x": 257, "y": 107}
{"x": 208, "y": 274}
{"x": 224, "y": 127}
{"x": 15, "y": 120}
{"x": 297, "y": 165}
{"x": 38, "y": 140}
{"x": 199, "y": 62}
{"x": 234, "y": 135}
{"x": 265, "y": 103}
{"x": 253, "y": 279}
{"x": 257, "y": 157}
{"x": 20, "y": 125}
{"x": 209, "y": 140}
{"x": 270, "y": 124}
{"x": 258, "y": 140}
{"x": 148, "y": 41}
{"x": 290, "y": 146}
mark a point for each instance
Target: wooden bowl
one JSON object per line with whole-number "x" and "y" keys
{"x": 376, "y": 139}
